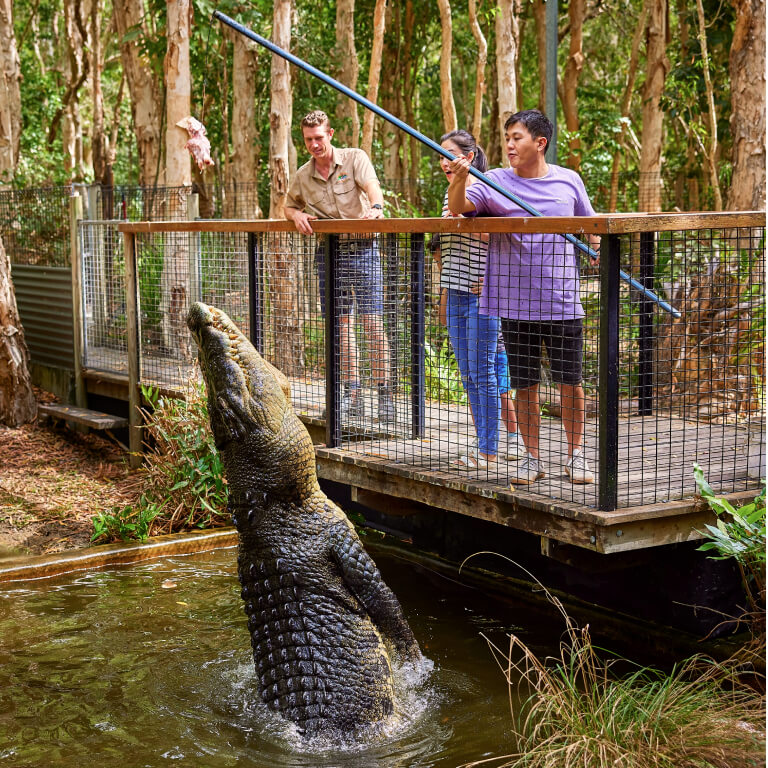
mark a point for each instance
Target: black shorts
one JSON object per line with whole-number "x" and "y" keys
{"x": 563, "y": 339}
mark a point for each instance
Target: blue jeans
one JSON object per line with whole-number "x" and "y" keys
{"x": 475, "y": 338}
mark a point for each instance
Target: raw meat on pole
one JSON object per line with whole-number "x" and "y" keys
{"x": 198, "y": 144}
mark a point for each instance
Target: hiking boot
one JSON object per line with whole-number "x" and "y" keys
{"x": 352, "y": 405}
{"x": 578, "y": 469}
{"x": 386, "y": 405}
{"x": 528, "y": 471}
{"x": 515, "y": 447}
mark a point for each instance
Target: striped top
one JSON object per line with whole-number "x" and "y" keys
{"x": 462, "y": 257}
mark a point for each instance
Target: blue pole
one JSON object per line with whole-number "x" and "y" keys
{"x": 434, "y": 146}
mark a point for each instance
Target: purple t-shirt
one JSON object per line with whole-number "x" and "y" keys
{"x": 528, "y": 276}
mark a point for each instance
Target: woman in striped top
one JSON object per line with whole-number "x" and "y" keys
{"x": 474, "y": 337}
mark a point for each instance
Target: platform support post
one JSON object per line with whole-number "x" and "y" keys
{"x": 608, "y": 435}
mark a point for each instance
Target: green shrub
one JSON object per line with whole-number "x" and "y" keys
{"x": 739, "y": 534}
{"x": 183, "y": 485}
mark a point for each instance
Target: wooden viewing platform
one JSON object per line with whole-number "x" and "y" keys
{"x": 641, "y": 450}
{"x": 389, "y": 471}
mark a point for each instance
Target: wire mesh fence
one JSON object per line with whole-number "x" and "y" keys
{"x": 407, "y": 367}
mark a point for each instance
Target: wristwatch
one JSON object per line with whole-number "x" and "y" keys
{"x": 378, "y": 206}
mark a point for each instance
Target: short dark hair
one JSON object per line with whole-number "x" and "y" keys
{"x": 535, "y": 122}
{"x": 467, "y": 143}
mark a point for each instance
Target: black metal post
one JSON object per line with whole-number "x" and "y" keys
{"x": 332, "y": 346}
{"x": 418, "y": 385}
{"x": 255, "y": 292}
{"x": 608, "y": 474}
{"x": 645, "y": 326}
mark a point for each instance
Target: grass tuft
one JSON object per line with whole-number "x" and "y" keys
{"x": 580, "y": 712}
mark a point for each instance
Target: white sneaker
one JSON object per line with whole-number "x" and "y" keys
{"x": 528, "y": 471}
{"x": 578, "y": 469}
{"x": 515, "y": 447}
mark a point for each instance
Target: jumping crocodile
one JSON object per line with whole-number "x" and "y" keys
{"x": 322, "y": 621}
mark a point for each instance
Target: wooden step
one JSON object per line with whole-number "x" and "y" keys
{"x": 92, "y": 419}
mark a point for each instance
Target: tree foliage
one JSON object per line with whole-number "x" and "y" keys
{"x": 410, "y": 87}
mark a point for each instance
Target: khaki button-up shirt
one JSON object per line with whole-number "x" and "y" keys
{"x": 341, "y": 195}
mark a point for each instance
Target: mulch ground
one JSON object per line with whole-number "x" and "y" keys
{"x": 53, "y": 480}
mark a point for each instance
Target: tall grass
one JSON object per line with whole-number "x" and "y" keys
{"x": 580, "y": 712}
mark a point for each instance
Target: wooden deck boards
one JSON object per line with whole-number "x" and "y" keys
{"x": 655, "y": 480}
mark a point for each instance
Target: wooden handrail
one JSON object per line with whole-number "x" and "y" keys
{"x": 603, "y": 224}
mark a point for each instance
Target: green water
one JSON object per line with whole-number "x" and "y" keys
{"x": 119, "y": 667}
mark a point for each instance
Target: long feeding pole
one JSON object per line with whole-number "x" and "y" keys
{"x": 434, "y": 146}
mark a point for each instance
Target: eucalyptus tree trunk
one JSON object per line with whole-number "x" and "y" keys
{"x": 282, "y": 264}
{"x": 482, "y": 58}
{"x": 145, "y": 91}
{"x": 243, "y": 169}
{"x": 347, "y": 119}
{"x": 280, "y": 111}
{"x": 17, "y": 400}
{"x": 573, "y": 67}
{"x": 175, "y": 280}
{"x": 10, "y": 95}
{"x": 392, "y": 140}
{"x": 507, "y": 51}
{"x": 450, "y": 121}
{"x": 76, "y": 71}
{"x": 374, "y": 71}
{"x": 747, "y": 70}
{"x": 657, "y": 66}
{"x": 99, "y": 143}
{"x": 626, "y": 102}
{"x": 540, "y": 19}
{"x": 410, "y": 100}
{"x": 712, "y": 150}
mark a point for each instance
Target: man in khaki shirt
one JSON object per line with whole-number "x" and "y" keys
{"x": 340, "y": 183}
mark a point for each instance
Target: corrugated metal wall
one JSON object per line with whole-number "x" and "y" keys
{"x": 44, "y": 300}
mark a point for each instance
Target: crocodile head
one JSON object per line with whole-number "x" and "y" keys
{"x": 262, "y": 443}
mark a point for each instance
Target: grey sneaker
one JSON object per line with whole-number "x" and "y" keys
{"x": 515, "y": 447}
{"x": 387, "y": 412}
{"x": 528, "y": 471}
{"x": 352, "y": 406}
{"x": 578, "y": 469}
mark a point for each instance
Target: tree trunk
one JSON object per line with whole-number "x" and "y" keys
{"x": 99, "y": 145}
{"x": 17, "y": 400}
{"x": 540, "y": 17}
{"x": 175, "y": 279}
{"x": 374, "y": 72}
{"x": 68, "y": 114}
{"x": 281, "y": 111}
{"x": 711, "y": 116}
{"x": 657, "y": 66}
{"x": 507, "y": 49}
{"x": 144, "y": 89}
{"x": 450, "y": 121}
{"x": 409, "y": 101}
{"x": 282, "y": 264}
{"x": 747, "y": 70}
{"x": 494, "y": 149}
{"x": 347, "y": 119}
{"x": 482, "y": 58}
{"x": 626, "y": 102}
{"x": 10, "y": 96}
{"x": 392, "y": 140}
{"x": 573, "y": 67}
{"x": 178, "y": 171}
{"x": 243, "y": 170}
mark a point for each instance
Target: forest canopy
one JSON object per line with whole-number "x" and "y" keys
{"x": 661, "y": 104}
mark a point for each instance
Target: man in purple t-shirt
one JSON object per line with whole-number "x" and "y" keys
{"x": 532, "y": 283}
